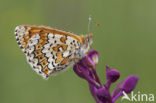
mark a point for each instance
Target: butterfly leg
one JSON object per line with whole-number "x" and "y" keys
{"x": 74, "y": 58}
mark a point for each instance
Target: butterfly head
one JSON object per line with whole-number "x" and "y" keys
{"x": 86, "y": 43}
{"x": 89, "y": 39}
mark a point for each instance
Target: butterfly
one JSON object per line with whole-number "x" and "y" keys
{"x": 49, "y": 50}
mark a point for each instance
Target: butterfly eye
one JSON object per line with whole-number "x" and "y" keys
{"x": 89, "y": 38}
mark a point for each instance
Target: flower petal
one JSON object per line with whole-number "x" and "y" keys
{"x": 80, "y": 70}
{"x": 84, "y": 73}
{"x": 130, "y": 83}
{"x": 88, "y": 62}
{"x": 93, "y": 54}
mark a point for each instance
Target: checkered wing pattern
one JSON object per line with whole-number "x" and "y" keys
{"x": 47, "y": 50}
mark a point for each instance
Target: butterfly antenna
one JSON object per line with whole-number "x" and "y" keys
{"x": 90, "y": 18}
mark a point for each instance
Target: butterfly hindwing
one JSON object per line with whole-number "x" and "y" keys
{"x": 47, "y": 52}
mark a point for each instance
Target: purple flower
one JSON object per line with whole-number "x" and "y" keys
{"x": 94, "y": 56}
{"x": 130, "y": 83}
{"x": 112, "y": 75}
{"x": 103, "y": 94}
{"x": 128, "y": 86}
{"x": 86, "y": 69}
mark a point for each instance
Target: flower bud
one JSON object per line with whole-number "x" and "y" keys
{"x": 130, "y": 83}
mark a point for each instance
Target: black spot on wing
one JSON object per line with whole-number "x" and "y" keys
{"x": 55, "y": 41}
{"x": 53, "y": 65}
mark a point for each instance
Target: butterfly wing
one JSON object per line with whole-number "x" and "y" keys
{"x": 47, "y": 50}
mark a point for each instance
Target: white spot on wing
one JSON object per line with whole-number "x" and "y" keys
{"x": 66, "y": 53}
{"x": 35, "y": 37}
{"x": 30, "y": 49}
{"x": 50, "y": 66}
{"x": 32, "y": 42}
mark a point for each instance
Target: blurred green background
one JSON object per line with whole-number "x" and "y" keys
{"x": 125, "y": 39}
